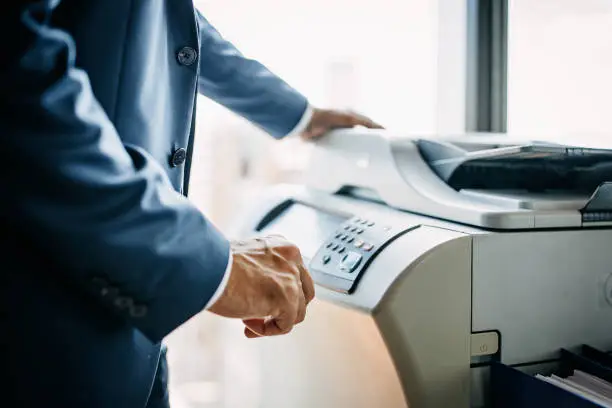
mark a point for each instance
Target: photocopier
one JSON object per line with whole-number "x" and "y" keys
{"x": 449, "y": 270}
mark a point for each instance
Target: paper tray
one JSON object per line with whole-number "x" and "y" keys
{"x": 512, "y": 388}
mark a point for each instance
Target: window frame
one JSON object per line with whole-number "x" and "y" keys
{"x": 487, "y": 66}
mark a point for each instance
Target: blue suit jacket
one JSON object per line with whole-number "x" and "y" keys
{"x": 102, "y": 256}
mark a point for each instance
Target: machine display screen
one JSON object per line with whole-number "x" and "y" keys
{"x": 305, "y": 226}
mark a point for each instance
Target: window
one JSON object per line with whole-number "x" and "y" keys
{"x": 381, "y": 59}
{"x": 399, "y": 61}
{"x": 559, "y": 70}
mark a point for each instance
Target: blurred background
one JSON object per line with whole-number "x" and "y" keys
{"x": 404, "y": 63}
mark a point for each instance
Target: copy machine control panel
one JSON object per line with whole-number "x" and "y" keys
{"x": 344, "y": 256}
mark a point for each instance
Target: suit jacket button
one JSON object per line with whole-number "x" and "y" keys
{"x": 187, "y": 56}
{"x": 109, "y": 291}
{"x": 123, "y": 302}
{"x": 138, "y": 311}
{"x": 178, "y": 157}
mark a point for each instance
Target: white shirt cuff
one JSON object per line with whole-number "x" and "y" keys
{"x": 223, "y": 283}
{"x": 303, "y": 122}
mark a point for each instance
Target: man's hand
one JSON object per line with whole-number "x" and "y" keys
{"x": 269, "y": 287}
{"x": 324, "y": 120}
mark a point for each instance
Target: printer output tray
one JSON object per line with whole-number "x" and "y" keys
{"x": 535, "y": 167}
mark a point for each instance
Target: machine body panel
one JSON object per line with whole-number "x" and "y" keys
{"x": 422, "y": 287}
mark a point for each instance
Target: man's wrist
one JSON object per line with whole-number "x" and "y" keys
{"x": 302, "y": 123}
{"x": 222, "y": 285}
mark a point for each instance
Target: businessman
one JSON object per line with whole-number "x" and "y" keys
{"x": 102, "y": 254}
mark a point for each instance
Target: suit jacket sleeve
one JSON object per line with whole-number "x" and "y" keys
{"x": 106, "y": 212}
{"x": 245, "y": 86}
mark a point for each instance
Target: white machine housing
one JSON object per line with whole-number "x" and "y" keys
{"x": 425, "y": 304}
{"x": 393, "y": 167}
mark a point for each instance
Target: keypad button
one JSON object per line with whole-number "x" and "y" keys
{"x": 338, "y": 236}
{"x": 367, "y": 247}
{"x": 347, "y": 227}
{"x": 329, "y": 245}
{"x": 344, "y": 237}
{"x": 360, "y": 231}
{"x": 326, "y": 259}
{"x": 350, "y": 240}
{"x": 354, "y": 229}
{"x": 335, "y": 247}
{"x": 359, "y": 243}
{"x": 350, "y": 262}
{"x": 370, "y": 224}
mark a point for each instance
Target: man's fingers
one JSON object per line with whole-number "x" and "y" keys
{"x": 285, "y": 285}
{"x": 369, "y": 124}
{"x": 360, "y": 120}
{"x": 274, "y": 326}
{"x": 325, "y": 120}
{"x": 301, "y": 313}
{"x": 256, "y": 326}
{"x": 248, "y": 332}
{"x": 343, "y": 120}
{"x": 268, "y": 327}
{"x": 307, "y": 284}
{"x": 352, "y": 119}
{"x": 285, "y": 321}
